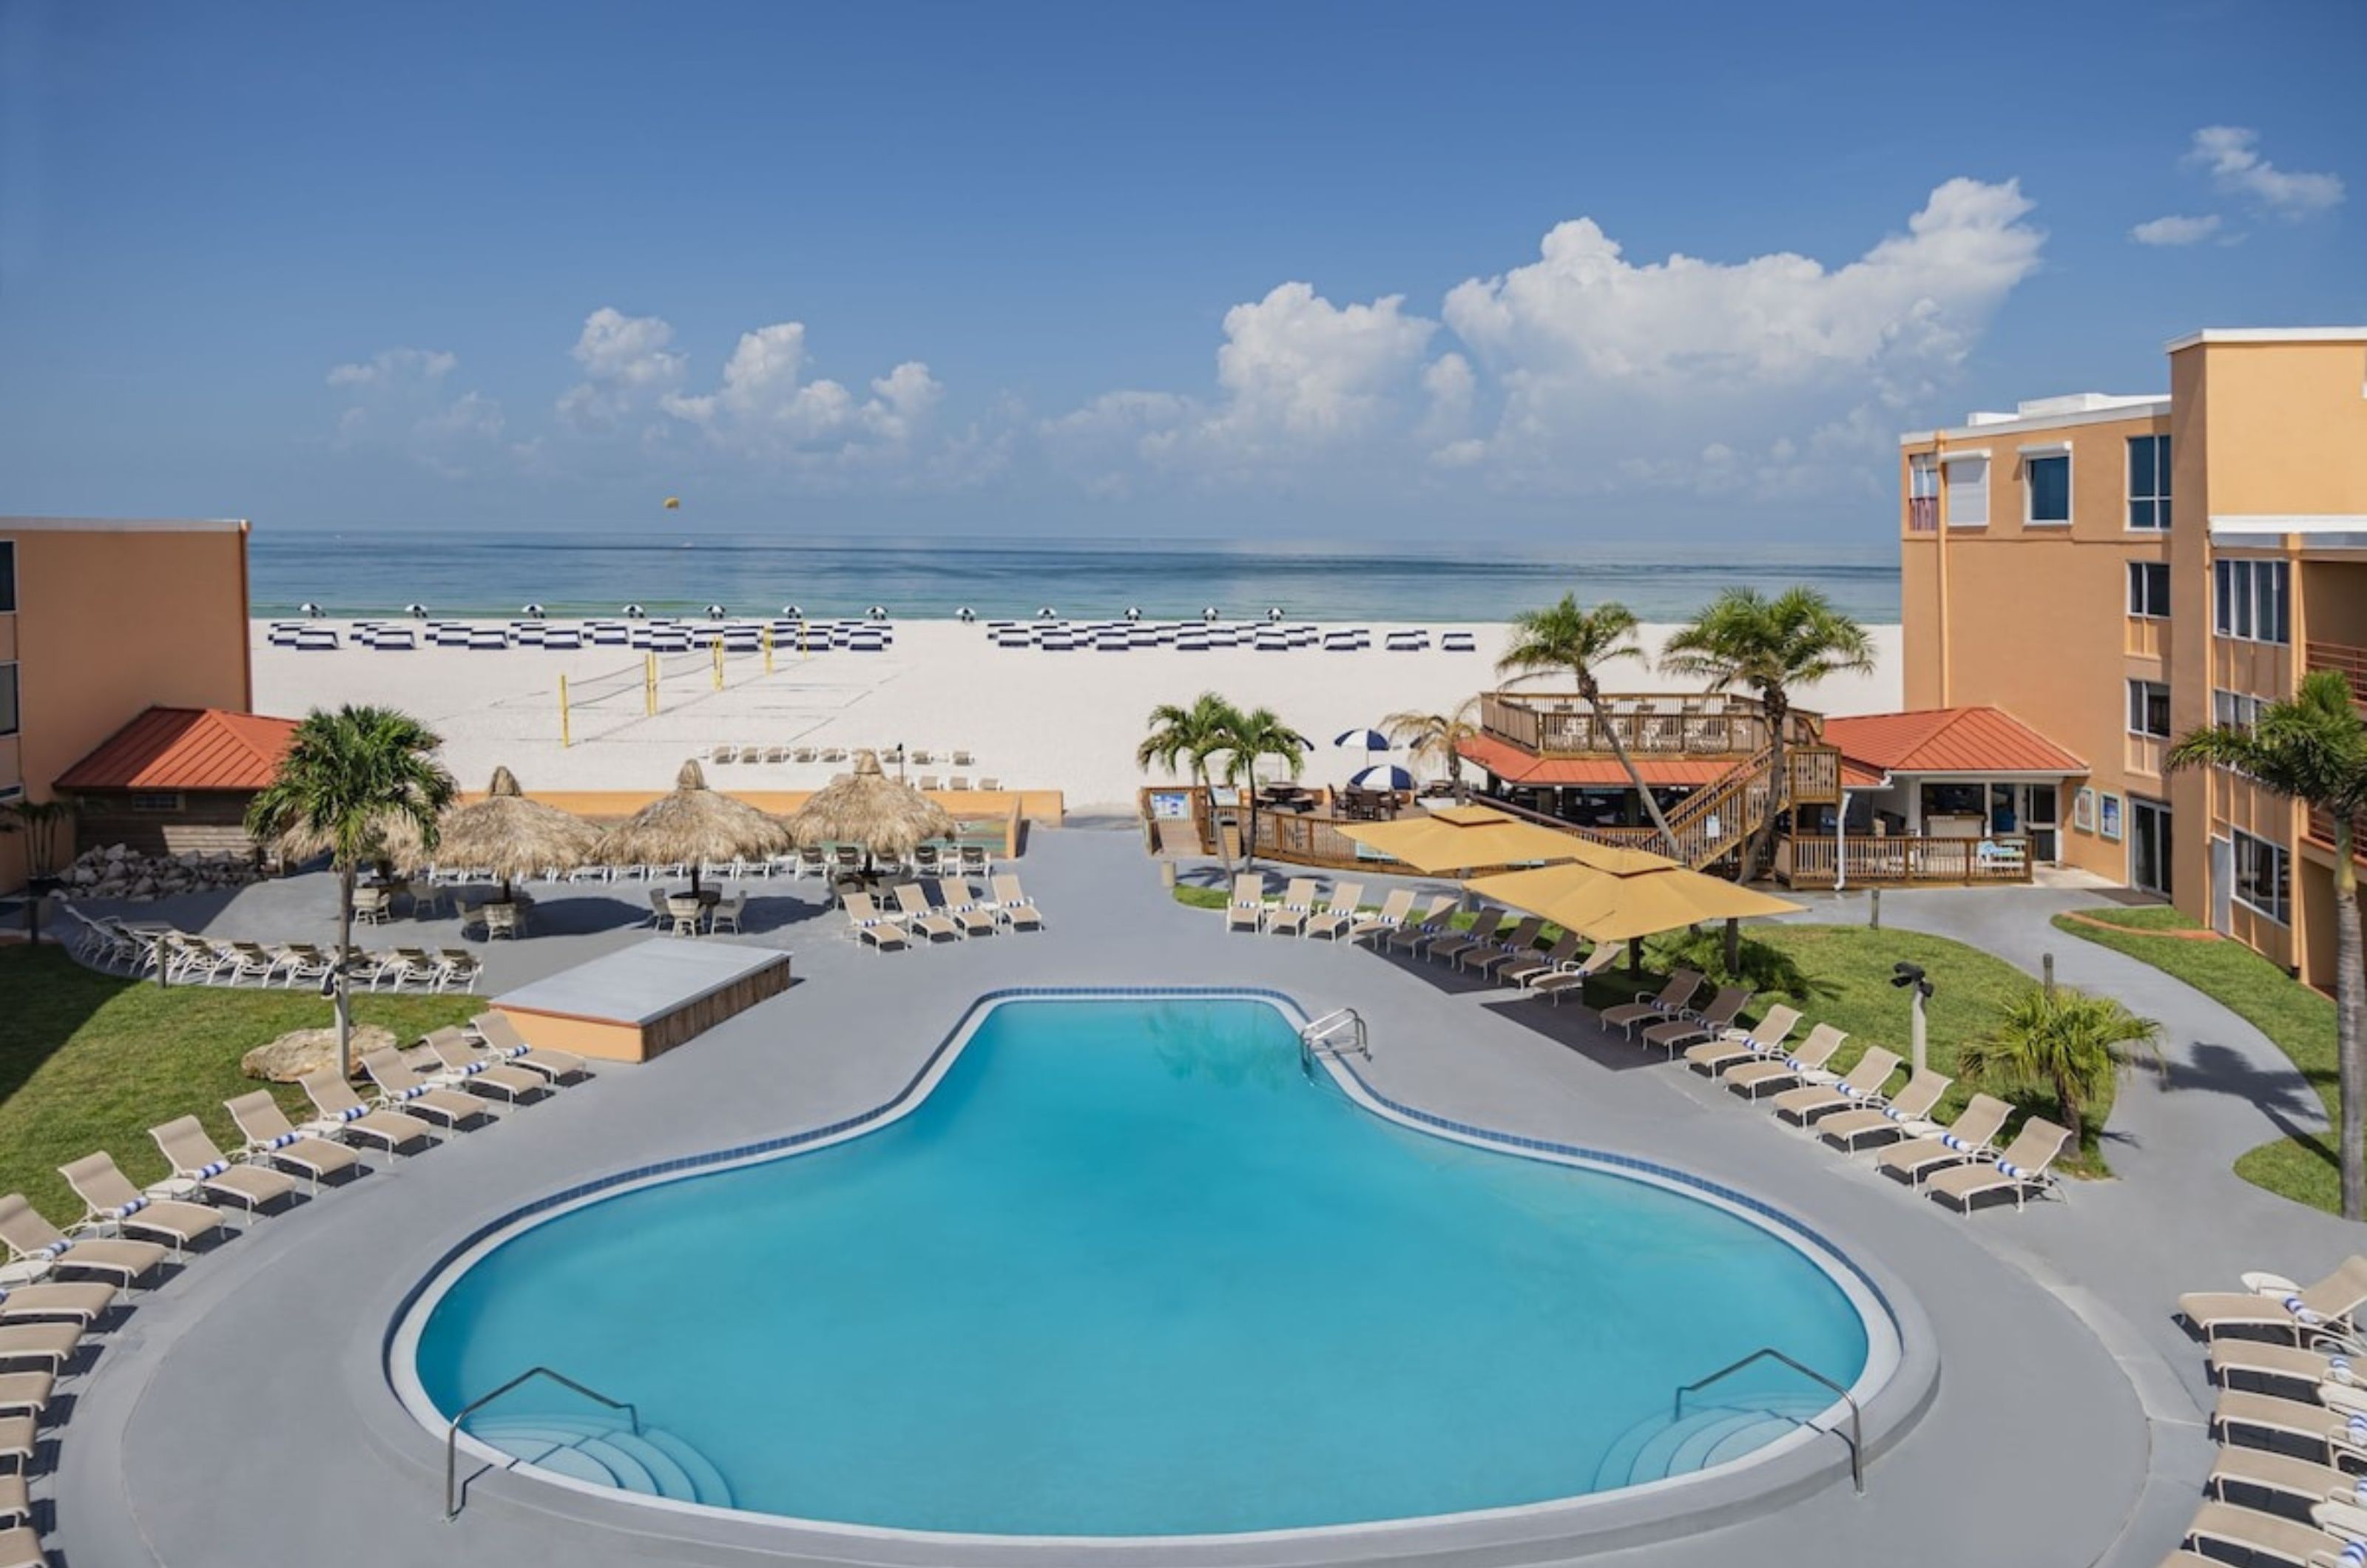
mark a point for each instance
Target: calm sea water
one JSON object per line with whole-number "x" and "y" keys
{"x": 488, "y": 574}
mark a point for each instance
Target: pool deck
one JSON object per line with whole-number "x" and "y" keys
{"x": 240, "y": 1414}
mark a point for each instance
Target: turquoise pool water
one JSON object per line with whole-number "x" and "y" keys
{"x": 1126, "y": 1272}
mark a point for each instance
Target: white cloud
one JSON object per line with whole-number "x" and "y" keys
{"x": 395, "y": 400}
{"x": 2230, "y": 154}
{"x": 391, "y": 366}
{"x": 1294, "y": 365}
{"x": 2175, "y": 229}
{"x": 626, "y": 364}
{"x": 766, "y": 408}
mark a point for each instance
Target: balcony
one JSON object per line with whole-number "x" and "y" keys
{"x": 2345, "y": 660}
{"x": 2321, "y": 828}
{"x": 1862, "y": 860}
{"x": 1555, "y": 724}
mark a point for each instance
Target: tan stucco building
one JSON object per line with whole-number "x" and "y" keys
{"x": 100, "y": 620}
{"x": 2115, "y": 572}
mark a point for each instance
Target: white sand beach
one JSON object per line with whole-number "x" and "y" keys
{"x": 1031, "y": 719}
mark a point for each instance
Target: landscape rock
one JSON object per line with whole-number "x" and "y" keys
{"x": 119, "y": 870}
{"x": 292, "y": 1055}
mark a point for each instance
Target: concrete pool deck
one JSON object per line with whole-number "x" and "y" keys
{"x": 2066, "y": 1428}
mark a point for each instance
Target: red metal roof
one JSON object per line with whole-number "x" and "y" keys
{"x": 1513, "y": 765}
{"x": 191, "y": 749}
{"x": 1948, "y": 741}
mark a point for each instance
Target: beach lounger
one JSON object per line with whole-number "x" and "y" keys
{"x": 301, "y": 963}
{"x": 25, "y": 1393}
{"x": 1014, "y": 908}
{"x": 250, "y": 960}
{"x": 1710, "y": 1023}
{"x": 1863, "y": 1086}
{"x": 1290, "y": 917}
{"x": 29, "y": 1239}
{"x": 961, "y": 907}
{"x": 913, "y": 905}
{"x": 271, "y": 1137}
{"x": 1430, "y": 925}
{"x": 1481, "y": 933}
{"x": 467, "y": 1066}
{"x": 2022, "y": 1169}
{"x": 83, "y": 1301}
{"x": 2331, "y": 1305}
{"x": 1519, "y": 947}
{"x": 1247, "y": 910}
{"x": 1968, "y": 1137}
{"x": 111, "y": 1200}
{"x": 1392, "y": 914}
{"x": 344, "y": 1113}
{"x": 1339, "y": 916}
{"x": 885, "y": 933}
{"x": 1674, "y": 1000}
{"x": 1765, "y": 1039}
{"x": 195, "y": 1159}
{"x": 54, "y": 1343}
{"x": 21, "y": 1547}
{"x": 2238, "y": 1357}
{"x": 2279, "y": 1475}
{"x": 1524, "y": 967}
{"x": 399, "y": 1085}
{"x": 2337, "y": 1427}
{"x": 1570, "y": 979}
{"x": 1752, "y": 1079}
{"x": 502, "y": 1041}
{"x": 2267, "y": 1535}
{"x": 1902, "y": 1117}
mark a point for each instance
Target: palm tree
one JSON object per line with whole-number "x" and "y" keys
{"x": 1565, "y": 638}
{"x": 2065, "y": 1041}
{"x": 2313, "y": 749}
{"x": 1251, "y": 738}
{"x": 347, "y": 778}
{"x": 1192, "y": 736}
{"x": 1435, "y": 740}
{"x": 1770, "y": 646}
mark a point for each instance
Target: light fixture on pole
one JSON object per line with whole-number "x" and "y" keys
{"x": 1909, "y": 978}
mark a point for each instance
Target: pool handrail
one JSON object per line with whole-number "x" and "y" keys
{"x": 1769, "y": 1353}
{"x": 452, "y": 1430}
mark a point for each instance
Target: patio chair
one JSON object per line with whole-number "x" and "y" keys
{"x": 1425, "y": 927}
{"x": 1480, "y": 933}
{"x": 660, "y": 916}
{"x": 370, "y": 906}
{"x": 957, "y": 784}
{"x": 467, "y": 1066}
{"x": 1520, "y": 945}
{"x": 990, "y": 785}
{"x": 1903, "y": 1116}
{"x": 959, "y": 907}
{"x": 882, "y": 931}
{"x": 929, "y": 781}
{"x": 399, "y": 1085}
{"x": 961, "y": 759}
{"x": 251, "y": 961}
{"x": 109, "y": 1199}
{"x": 925, "y": 860}
{"x": 684, "y": 913}
{"x": 502, "y": 1041}
{"x": 502, "y": 919}
{"x": 38, "y": 1300}
{"x": 1393, "y": 912}
{"x": 1012, "y": 906}
{"x": 342, "y": 1112}
{"x": 811, "y": 862}
{"x": 1674, "y": 1000}
{"x": 1968, "y": 1137}
{"x": 1750, "y": 1079}
{"x": 1524, "y": 967}
{"x": 196, "y": 1160}
{"x": 913, "y": 905}
{"x": 727, "y": 912}
{"x": 302, "y": 962}
{"x": 1570, "y": 979}
{"x": 457, "y": 968}
{"x": 1339, "y": 911}
{"x": 2022, "y": 1169}
{"x": 1289, "y": 917}
{"x": 1710, "y": 1023}
{"x": 1861, "y": 1085}
{"x": 1733, "y": 1046}
{"x": 270, "y": 1136}
{"x": 30, "y": 1238}
{"x": 2298, "y": 1317}
{"x": 413, "y": 965}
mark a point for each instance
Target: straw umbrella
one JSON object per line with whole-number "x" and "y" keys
{"x": 868, "y": 807}
{"x": 504, "y": 834}
{"x": 692, "y": 825}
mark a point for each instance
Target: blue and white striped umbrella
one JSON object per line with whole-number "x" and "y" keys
{"x": 1361, "y": 740}
{"x": 1386, "y": 776}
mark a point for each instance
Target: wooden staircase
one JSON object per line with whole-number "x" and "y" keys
{"x": 1714, "y": 823}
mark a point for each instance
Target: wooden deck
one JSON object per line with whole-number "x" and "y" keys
{"x": 1864, "y": 860}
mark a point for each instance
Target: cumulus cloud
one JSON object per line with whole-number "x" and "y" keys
{"x": 2175, "y": 229}
{"x": 1294, "y": 365}
{"x": 392, "y": 366}
{"x": 765, "y": 407}
{"x": 628, "y": 363}
{"x": 2230, "y": 154}
{"x": 396, "y": 401}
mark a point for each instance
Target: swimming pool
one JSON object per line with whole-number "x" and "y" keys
{"x": 1125, "y": 1271}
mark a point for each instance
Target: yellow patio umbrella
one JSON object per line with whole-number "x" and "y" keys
{"x": 1608, "y": 906}
{"x": 1457, "y": 838}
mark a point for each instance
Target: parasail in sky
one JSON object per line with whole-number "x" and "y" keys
{"x": 673, "y": 503}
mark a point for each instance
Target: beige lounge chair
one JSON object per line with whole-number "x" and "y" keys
{"x": 2328, "y": 1420}
{"x": 1675, "y": 997}
{"x": 399, "y": 1085}
{"x": 1571, "y": 980}
{"x": 343, "y": 1114}
{"x": 1968, "y": 1137}
{"x": 1393, "y": 912}
{"x": 1247, "y": 910}
{"x": 2241, "y": 1357}
{"x": 467, "y": 1066}
{"x": 21, "y": 1547}
{"x": 1752, "y": 1079}
{"x": 271, "y": 1136}
{"x": 883, "y": 932}
{"x": 1527, "y": 966}
{"x": 84, "y": 1301}
{"x": 1427, "y": 926}
{"x": 29, "y": 1239}
{"x": 1711, "y": 1023}
{"x": 1481, "y": 933}
{"x": 974, "y": 917}
{"x": 1862, "y": 1086}
{"x": 1519, "y": 947}
{"x": 25, "y": 1393}
{"x": 1903, "y": 1117}
{"x": 1339, "y": 914}
{"x": 2266, "y": 1534}
{"x": 196, "y": 1159}
{"x": 2283, "y": 1475}
{"x": 2297, "y": 1316}
{"x": 913, "y": 905}
{"x": 1290, "y": 917}
{"x": 112, "y": 1200}
{"x": 1014, "y": 908}
{"x": 502, "y": 1041}
{"x": 2022, "y": 1169}
{"x": 1766, "y": 1038}
{"x": 53, "y": 1342}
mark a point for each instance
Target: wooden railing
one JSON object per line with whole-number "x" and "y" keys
{"x": 1812, "y": 861}
{"x": 1815, "y": 774}
{"x": 2321, "y": 828}
{"x": 1556, "y": 723}
{"x": 2345, "y": 660}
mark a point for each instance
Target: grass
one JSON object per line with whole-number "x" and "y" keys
{"x": 91, "y": 1061}
{"x": 2300, "y": 1022}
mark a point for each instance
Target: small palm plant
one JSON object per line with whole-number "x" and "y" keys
{"x": 1254, "y": 737}
{"x": 1435, "y": 740}
{"x": 2067, "y": 1042}
{"x": 1565, "y": 638}
{"x": 1187, "y": 739}
{"x": 348, "y": 777}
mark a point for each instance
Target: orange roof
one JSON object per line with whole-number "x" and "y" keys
{"x": 1948, "y": 741}
{"x": 194, "y": 748}
{"x": 1513, "y": 765}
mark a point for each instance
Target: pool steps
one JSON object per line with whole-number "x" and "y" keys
{"x": 1707, "y": 1434}
{"x": 654, "y": 1461}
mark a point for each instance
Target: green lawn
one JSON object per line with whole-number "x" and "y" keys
{"x": 2297, "y": 1019}
{"x": 88, "y": 1061}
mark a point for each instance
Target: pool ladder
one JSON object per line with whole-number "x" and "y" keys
{"x": 1855, "y": 1437}
{"x": 1340, "y": 1032}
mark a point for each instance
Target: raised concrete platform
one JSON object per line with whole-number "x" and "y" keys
{"x": 631, "y": 1005}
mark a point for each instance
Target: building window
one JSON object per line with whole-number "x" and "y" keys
{"x": 1968, "y": 492}
{"x": 7, "y": 699}
{"x": 2049, "y": 481}
{"x": 2149, "y": 710}
{"x": 2149, "y": 481}
{"x": 155, "y": 800}
{"x": 2108, "y": 817}
{"x": 2262, "y": 877}
{"x": 2150, "y": 589}
{"x": 1923, "y": 493}
{"x": 2237, "y": 710}
{"x": 2083, "y": 811}
{"x": 7, "y": 576}
{"x": 2249, "y": 601}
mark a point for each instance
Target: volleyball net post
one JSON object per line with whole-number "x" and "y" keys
{"x": 650, "y": 684}
{"x": 566, "y": 737}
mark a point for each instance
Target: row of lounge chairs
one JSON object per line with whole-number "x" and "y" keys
{"x": 190, "y": 960}
{"x": 1052, "y": 635}
{"x": 928, "y": 859}
{"x": 2289, "y": 1475}
{"x": 958, "y": 757}
{"x": 957, "y": 915}
{"x": 64, "y": 1286}
{"x": 1509, "y": 954}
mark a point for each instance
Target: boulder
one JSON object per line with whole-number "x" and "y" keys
{"x": 292, "y": 1055}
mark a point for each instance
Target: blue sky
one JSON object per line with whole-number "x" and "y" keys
{"x": 1279, "y": 272}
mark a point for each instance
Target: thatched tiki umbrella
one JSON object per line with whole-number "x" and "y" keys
{"x": 868, "y": 807}
{"x": 508, "y": 835}
{"x": 692, "y": 825}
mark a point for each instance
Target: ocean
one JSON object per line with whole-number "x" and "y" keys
{"x": 482, "y": 574}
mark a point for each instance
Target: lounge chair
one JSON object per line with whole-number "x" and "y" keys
{"x": 1570, "y": 979}
{"x": 1968, "y": 1137}
{"x": 301, "y": 963}
{"x": 1481, "y": 933}
{"x": 504, "y": 1042}
{"x": 467, "y": 1066}
{"x": 883, "y": 932}
{"x": 1902, "y": 1117}
{"x": 29, "y": 1239}
{"x": 959, "y": 907}
{"x": 270, "y": 1136}
{"x": 2282, "y": 1475}
{"x": 2309, "y": 1366}
{"x": 457, "y": 968}
{"x": 83, "y": 1301}
{"x": 399, "y": 1085}
{"x": 195, "y": 1159}
{"x": 21, "y": 1547}
{"x": 2333, "y": 1425}
{"x": 53, "y": 1342}
{"x": 1862, "y": 1086}
{"x": 2022, "y": 1169}
{"x": 1525, "y": 968}
{"x": 111, "y": 1200}
{"x": 913, "y": 905}
{"x": 2266, "y": 1534}
{"x": 1750, "y": 1079}
{"x": 1517, "y": 948}
{"x": 1013, "y": 907}
{"x": 343, "y": 1114}
{"x": 1674, "y": 1000}
{"x": 1767, "y": 1037}
{"x": 1392, "y": 915}
{"x": 1339, "y": 914}
{"x": 1427, "y": 926}
{"x": 2297, "y": 1316}
{"x": 1247, "y": 910}
{"x": 24, "y": 1394}
{"x": 1710, "y": 1023}
{"x": 250, "y": 960}
{"x": 1290, "y": 917}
